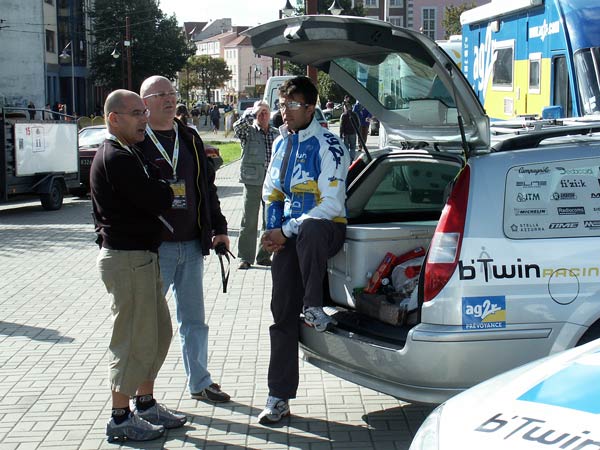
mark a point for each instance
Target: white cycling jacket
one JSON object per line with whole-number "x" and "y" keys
{"x": 311, "y": 184}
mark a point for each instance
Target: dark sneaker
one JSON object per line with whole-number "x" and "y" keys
{"x": 319, "y": 319}
{"x": 264, "y": 262}
{"x": 275, "y": 410}
{"x": 134, "y": 429}
{"x": 244, "y": 265}
{"x": 161, "y": 415}
{"x": 212, "y": 393}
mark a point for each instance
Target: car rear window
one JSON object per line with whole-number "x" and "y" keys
{"x": 554, "y": 199}
{"x": 397, "y": 187}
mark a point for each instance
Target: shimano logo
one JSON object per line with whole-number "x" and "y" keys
{"x": 563, "y": 225}
{"x": 564, "y": 196}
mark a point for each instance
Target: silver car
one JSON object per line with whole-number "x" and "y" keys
{"x": 509, "y": 233}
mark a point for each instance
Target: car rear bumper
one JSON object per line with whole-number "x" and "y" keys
{"x": 435, "y": 363}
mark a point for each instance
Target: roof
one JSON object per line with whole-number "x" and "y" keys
{"x": 239, "y": 41}
{"x": 191, "y": 27}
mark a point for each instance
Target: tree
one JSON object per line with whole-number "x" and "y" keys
{"x": 206, "y": 73}
{"x": 157, "y": 45}
{"x": 451, "y": 20}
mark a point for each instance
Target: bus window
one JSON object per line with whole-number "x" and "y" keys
{"x": 503, "y": 67}
{"x": 560, "y": 89}
{"x": 587, "y": 68}
{"x": 534, "y": 73}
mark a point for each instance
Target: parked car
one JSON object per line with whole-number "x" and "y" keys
{"x": 90, "y": 138}
{"x": 550, "y": 403}
{"x": 333, "y": 113}
{"x": 509, "y": 233}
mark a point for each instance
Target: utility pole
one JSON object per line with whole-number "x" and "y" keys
{"x": 128, "y": 45}
{"x": 310, "y": 6}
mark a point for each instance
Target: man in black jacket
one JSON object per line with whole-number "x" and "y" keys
{"x": 128, "y": 200}
{"x": 198, "y": 226}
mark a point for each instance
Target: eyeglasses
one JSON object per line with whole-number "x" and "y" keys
{"x": 137, "y": 113}
{"x": 291, "y": 105}
{"x": 162, "y": 95}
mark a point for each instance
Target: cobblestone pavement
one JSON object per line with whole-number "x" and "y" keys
{"x": 54, "y": 331}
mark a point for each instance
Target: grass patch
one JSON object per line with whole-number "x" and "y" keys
{"x": 230, "y": 151}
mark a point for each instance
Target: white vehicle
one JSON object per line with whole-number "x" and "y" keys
{"x": 512, "y": 231}
{"x": 552, "y": 403}
{"x": 271, "y": 95}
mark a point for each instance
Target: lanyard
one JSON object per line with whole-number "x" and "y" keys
{"x": 163, "y": 152}
{"x": 126, "y": 147}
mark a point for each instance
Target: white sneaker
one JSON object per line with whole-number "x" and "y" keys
{"x": 317, "y": 318}
{"x": 134, "y": 428}
{"x": 161, "y": 415}
{"x": 275, "y": 410}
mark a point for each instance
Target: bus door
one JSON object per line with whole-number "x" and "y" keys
{"x": 561, "y": 85}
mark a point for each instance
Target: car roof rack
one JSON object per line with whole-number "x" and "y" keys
{"x": 530, "y": 134}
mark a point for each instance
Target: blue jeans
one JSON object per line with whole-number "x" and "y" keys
{"x": 181, "y": 268}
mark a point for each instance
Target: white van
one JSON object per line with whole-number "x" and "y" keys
{"x": 272, "y": 90}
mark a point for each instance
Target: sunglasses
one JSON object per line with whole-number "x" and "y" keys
{"x": 292, "y": 105}
{"x": 163, "y": 94}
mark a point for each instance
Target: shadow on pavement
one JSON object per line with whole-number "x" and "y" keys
{"x": 35, "y": 333}
{"x": 16, "y": 240}
{"x": 229, "y": 191}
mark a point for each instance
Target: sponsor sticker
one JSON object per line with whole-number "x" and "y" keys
{"x": 531, "y": 211}
{"x": 570, "y": 210}
{"x": 564, "y": 196}
{"x": 563, "y": 225}
{"x": 591, "y": 224}
{"x": 482, "y": 313}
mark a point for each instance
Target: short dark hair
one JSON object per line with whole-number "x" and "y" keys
{"x": 300, "y": 85}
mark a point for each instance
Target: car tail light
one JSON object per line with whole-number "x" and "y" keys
{"x": 447, "y": 239}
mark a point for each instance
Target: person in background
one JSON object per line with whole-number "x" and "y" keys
{"x": 127, "y": 201}
{"x": 197, "y": 226}
{"x": 363, "y": 116}
{"x": 215, "y": 118}
{"x": 31, "y": 108}
{"x": 256, "y": 137}
{"x": 47, "y": 112}
{"x": 304, "y": 194}
{"x": 348, "y": 130}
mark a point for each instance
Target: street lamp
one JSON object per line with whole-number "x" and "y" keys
{"x": 64, "y": 54}
{"x": 288, "y": 9}
{"x": 335, "y": 8}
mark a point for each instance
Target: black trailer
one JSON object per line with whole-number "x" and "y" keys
{"x": 37, "y": 157}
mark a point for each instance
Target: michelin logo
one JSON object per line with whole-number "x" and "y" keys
{"x": 481, "y": 313}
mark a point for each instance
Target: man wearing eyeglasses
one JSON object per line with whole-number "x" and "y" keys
{"x": 128, "y": 200}
{"x": 304, "y": 194}
{"x": 256, "y": 137}
{"x": 198, "y": 225}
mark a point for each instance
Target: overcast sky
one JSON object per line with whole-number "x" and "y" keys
{"x": 241, "y": 12}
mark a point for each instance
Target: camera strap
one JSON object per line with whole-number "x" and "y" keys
{"x": 225, "y": 273}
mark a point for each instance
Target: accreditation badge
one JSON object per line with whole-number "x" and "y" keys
{"x": 180, "y": 199}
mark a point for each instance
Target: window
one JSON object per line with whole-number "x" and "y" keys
{"x": 396, "y": 2}
{"x": 50, "y": 2}
{"x": 428, "y": 22}
{"x": 50, "y": 41}
{"x": 397, "y": 21}
{"x": 534, "y": 73}
{"x": 587, "y": 68}
{"x": 561, "y": 94}
{"x": 502, "y": 76}
{"x": 371, "y": 4}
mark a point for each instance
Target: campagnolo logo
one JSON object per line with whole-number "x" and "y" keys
{"x": 572, "y": 183}
{"x": 570, "y": 210}
{"x": 576, "y": 171}
{"x": 563, "y": 225}
{"x": 534, "y": 170}
{"x": 591, "y": 224}
{"x": 531, "y": 184}
{"x": 564, "y": 196}
{"x": 493, "y": 271}
{"x": 531, "y": 211}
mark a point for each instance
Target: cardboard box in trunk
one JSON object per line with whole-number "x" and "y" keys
{"x": 364, "y": 249}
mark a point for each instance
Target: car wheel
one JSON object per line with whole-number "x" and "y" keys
{"x": 53, "y": 200}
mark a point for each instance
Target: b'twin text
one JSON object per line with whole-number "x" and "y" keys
{"x": 494, "y": 271}
{"x": 537, "y": 430}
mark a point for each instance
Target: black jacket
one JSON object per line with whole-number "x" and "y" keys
{"x": 211, "y": 219}
{"x": 127, "y": 199}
